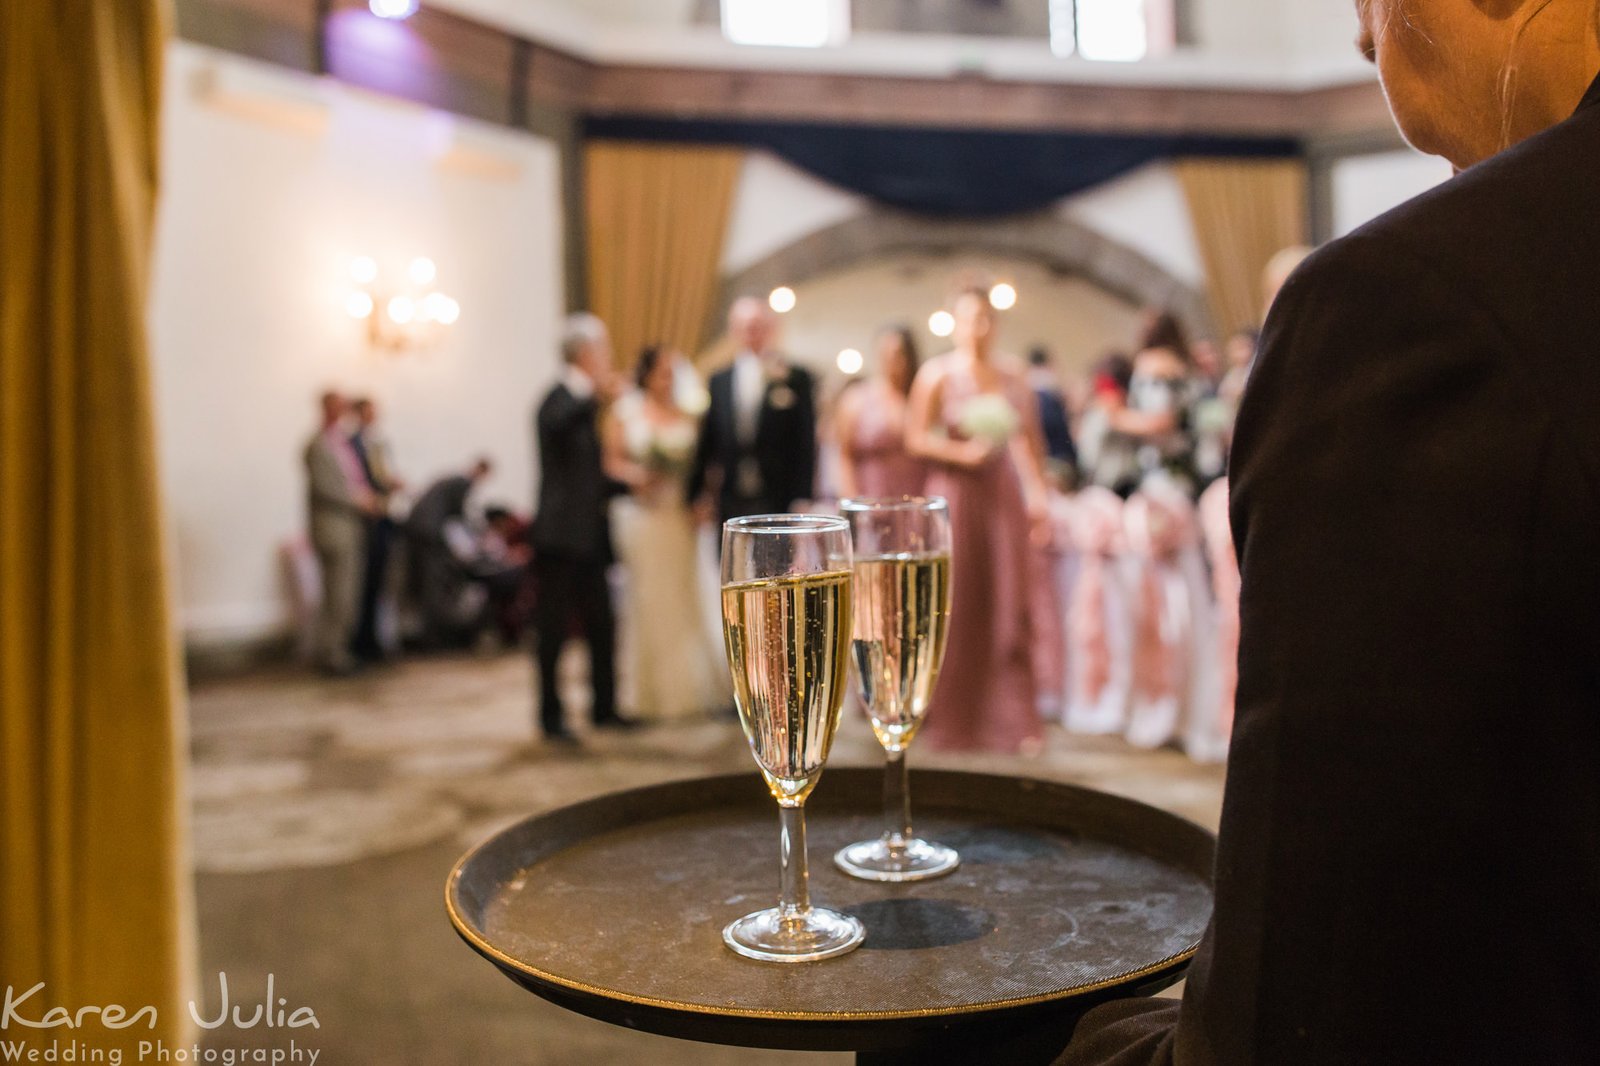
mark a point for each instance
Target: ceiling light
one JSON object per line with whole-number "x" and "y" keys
{"x": 850, "y": 361}
{"x": 359, "y": 304}
{"x": 782, "y": 299}
{"x": 1003, "y": 297}
{"x": 941, "y": 323}
{"x": 398, "y": 10}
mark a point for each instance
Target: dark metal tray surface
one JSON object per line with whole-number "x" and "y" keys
{"x": 614, "y": 908}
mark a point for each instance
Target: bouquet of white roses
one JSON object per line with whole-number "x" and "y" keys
{"x": 989, "y": 417}
{"x": 671, "y": 449}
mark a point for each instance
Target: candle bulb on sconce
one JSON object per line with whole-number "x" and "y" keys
{"x": 401, "y": 317}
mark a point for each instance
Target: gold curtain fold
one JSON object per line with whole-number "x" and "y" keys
{"x": 655, "y": 217}
{"x": 95, "y": 895}
{"x": 1244, "y": 212}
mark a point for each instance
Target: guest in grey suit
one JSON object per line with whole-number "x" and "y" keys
{"x": 339, "y": 502}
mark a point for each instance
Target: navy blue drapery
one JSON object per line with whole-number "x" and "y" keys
{"x": 970, "y": 173}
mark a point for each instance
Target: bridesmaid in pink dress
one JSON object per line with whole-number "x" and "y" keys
{"x": 871, "y": 425}
{"x": 986, "y": 696}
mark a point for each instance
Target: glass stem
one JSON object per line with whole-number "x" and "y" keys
{"x": 897, "y": 801}
{"x": 795, "y": 903}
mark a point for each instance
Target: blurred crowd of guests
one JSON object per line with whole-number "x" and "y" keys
{"x": 1093, "y": 575}
{"x": 396, "y": 568}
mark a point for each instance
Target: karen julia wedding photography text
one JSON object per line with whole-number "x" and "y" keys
{"x": 29, "y": 1009}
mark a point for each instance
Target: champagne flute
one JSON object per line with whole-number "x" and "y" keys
{"x": 902, "y": 621}
{"x": 786, "y": 601}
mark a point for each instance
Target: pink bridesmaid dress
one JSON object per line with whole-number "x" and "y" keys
{"x": 878, "y": 448}
{"x": 985, "y": 699}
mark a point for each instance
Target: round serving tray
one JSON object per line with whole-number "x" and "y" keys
{"x": 614, "y": 908}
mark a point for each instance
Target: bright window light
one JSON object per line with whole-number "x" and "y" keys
{"x": 792, "y": 23}
{"x": 1063, "y": 27}
{"x": 1112, "y": 30}
{"x": 1118, "y": 31}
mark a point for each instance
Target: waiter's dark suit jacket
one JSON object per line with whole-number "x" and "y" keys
{"x": 572, "y": 520}
{"x": 785, "y": 445}
{"x": 1409, "y": 863}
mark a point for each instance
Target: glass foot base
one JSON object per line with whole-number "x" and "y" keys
{"x": 819, "y": 934}
{"x": 875, "y": 860}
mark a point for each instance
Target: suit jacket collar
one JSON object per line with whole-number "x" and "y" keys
{"x": 1592, "y": 95}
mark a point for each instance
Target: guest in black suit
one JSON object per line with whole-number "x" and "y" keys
{"x": 758, "y": 441}
{"x": 571, "y": 532}
{"x": 1409, "y": 861}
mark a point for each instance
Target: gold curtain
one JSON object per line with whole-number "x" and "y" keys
{"x": 94, "y": 874}
{"x": 655, "y": 217}
{"x": 1244, "y": 212}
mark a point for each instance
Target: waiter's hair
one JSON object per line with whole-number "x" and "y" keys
{"x": 580, "y": 331}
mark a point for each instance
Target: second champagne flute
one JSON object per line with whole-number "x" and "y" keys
{"x": 902, "y": 621}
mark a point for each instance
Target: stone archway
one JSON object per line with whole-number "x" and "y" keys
{"x": 1055, "y": 242}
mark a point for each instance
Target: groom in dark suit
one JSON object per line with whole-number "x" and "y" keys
{"x": 571, "y": 532}
{"x": 758, "y": 442}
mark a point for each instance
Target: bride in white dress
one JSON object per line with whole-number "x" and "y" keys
{"x": 672, "y": 668}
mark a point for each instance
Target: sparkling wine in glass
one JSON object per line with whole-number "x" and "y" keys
{"x": 786, "y": 610}
{"x": 902, "y": 620}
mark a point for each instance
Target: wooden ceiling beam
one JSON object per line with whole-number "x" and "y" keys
{"x": 456, "y": 64}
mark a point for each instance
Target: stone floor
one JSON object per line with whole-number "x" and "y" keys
{"x": 327, "y": 814}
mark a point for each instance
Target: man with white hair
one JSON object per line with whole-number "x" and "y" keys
{"x": 758, "y": 442}
{"x": 571, "y": 532}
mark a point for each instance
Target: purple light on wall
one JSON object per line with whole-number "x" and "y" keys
{"x": 398, "y": 10}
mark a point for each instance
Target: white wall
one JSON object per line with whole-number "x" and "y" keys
{"x": 1145, "y": 210}
{"x": 1320, "y": 39}
{"x": 271, "y": 183}
{"x": 776, "y": 204}
{"x": 1365, "y": 186}
{"x": 1075, "y": 319}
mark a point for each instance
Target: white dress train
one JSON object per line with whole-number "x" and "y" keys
{"x": 671, "y": 667}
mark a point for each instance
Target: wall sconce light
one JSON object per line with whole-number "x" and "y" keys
{"x": 402, "y": 318}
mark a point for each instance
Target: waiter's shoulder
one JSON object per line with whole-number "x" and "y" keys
{"x": 1460, "y": 237}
